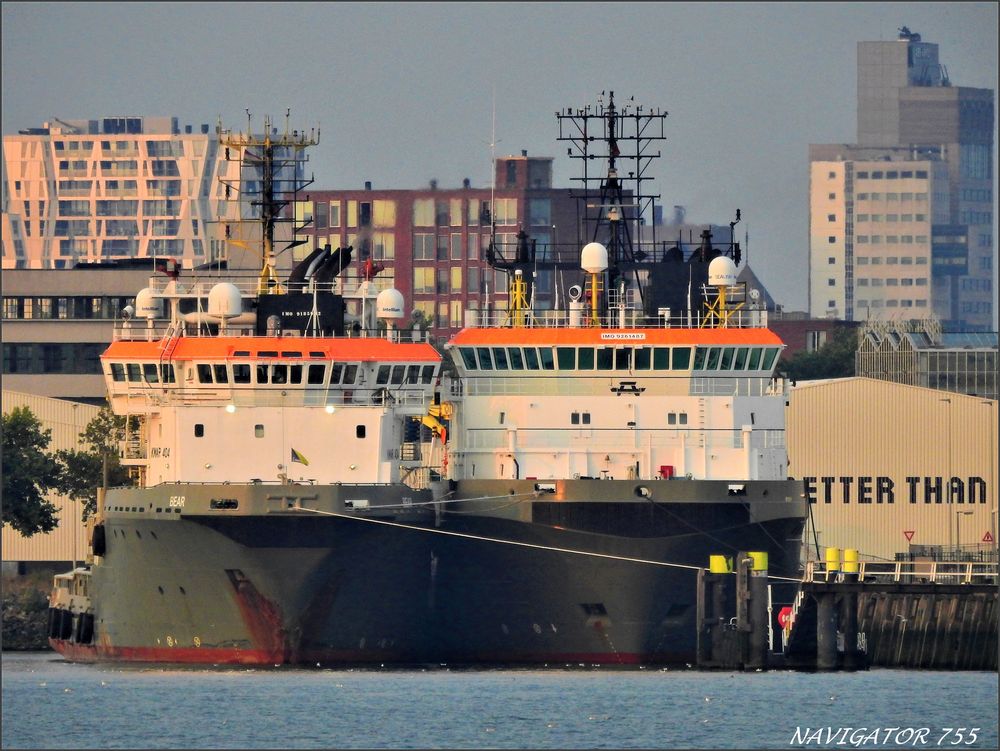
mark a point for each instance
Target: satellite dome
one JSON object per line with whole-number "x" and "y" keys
{"x": 224, "y": 300}
{"x": 722, "y": 272}
{"x": 389, "y": 304}
{"x": 147, "y": 305}
{"x": 594, "y": 258}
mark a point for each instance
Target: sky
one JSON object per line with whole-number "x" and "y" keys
{"x": 408, "y": 92}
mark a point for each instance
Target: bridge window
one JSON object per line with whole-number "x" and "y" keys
{"x": 531, "y": 358}
{"x": 279, "y": 373}
{"x": 699, "y": 358}
{"x": 294, "y": 373}
{"x": 641, "y": 361}
{"x": 741, "y": 359}
{"x": 500, "y": 358}
{"x": 769, "y": 356}
{"x": 469, "y": 358}
{"x": 261, "y": 373}
{"x": 661, "y": 358}
{"x": 566, "y": 357}
{"x": 545, "y": 357}
{"x": 221, "y": 373}
{"x": 382, "y": 377}
{"x": 623, "y": 358}
{"x": 241, "y": 373}
{"x": 134, "y": 373}
{"x": 754, "y": 363}
{"x": 150, "y": 373}
{"x": 713, "y": 359}
{"x": 514, "y": 358}
{"x": 204, "y": 372}
{"x": 350, "y": 373}
{"x": 682, "y": 358}
{"x": 117, "y": 372}
{"x": 585, "y": 358}
{"x": 485, "y": 361}
{"x": 398, "y": 373}
{"x": 413, "y": 374}
{"x": 727, "y": 359}
{"x": 427, "y": 374}
{"x": 605, "y": 358}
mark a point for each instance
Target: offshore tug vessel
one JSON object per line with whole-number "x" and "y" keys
{"x": 314, "y": 487}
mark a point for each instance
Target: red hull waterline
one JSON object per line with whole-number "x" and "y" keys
{"x": 217, "y": 656}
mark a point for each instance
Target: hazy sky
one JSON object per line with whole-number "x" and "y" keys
{"x": 404, "y": 92}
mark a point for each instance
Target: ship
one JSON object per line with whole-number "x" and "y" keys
{"x": 316, "y": 484}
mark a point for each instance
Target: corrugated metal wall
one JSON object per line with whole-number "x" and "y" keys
{"x": 68, "y": 541}
{"x": 909, "y": 441}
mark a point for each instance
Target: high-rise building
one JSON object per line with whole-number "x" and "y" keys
{"x": 901, "y": 222}
{"x": 113, "y": 188}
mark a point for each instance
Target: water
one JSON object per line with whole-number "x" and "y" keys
{"x": 49, "y": 703}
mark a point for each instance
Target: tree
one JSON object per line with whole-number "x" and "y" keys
{"x": 29, "y": 472}
{"x": 835, "y": 359}
{"x": 97, "y": 465}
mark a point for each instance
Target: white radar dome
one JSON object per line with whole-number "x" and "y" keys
{"x": 594, "y": 258}
{"x": 147, "y": 305}
{"x": 722, "y": 272}
{"x": 389, "y": 304}
{"x": 224, "y": 300}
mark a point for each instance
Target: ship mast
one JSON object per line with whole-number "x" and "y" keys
{"x": 270, "y": 177}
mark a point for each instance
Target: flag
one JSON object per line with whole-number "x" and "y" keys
{"x": 297, "y": 457}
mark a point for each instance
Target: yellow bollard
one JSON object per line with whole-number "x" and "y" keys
{"x": 850, "y": 561}
{"x": 759, "y": 561}
{"x": 832, "y": 560}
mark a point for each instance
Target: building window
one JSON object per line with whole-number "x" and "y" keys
{"x": 831, "y": 282}
{"x": 423, "y": 247}
{"x": 831, "y": 239}
{"x": 831, "y": 217}
{"x": 831, "y": 260}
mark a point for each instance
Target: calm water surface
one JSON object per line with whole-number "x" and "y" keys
{"x": 48, "y": 703}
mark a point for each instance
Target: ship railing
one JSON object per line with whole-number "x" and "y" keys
{"x": 291, "y": 397}
{"x": 622, "y": 440}
{"x": 907, "y": 572}
{"x": 625, "y": 318}
{"x": 577, "y": 383}
{"x": 350, "y": 283}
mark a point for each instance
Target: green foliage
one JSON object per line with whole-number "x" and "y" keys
{"x": 97, "y": 465}
{"x": 29, "y": 472}
{"x": 25, "y": 614}
{"x": 835, "y": 359}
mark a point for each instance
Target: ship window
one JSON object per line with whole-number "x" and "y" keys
{"x": 642, "y": 358}
{"x": 699, "y": 358}
{"x": 769, "y": 355}
{"x": 204, "y": 372}
{"x": 530, "y": 358}
{"x": 741, "y": 358}
{"x": 605, "y": 358}
{"x": 199, "y": 430}
{"x": 360, "y": 431}
{"x": 500, "y": 358}
{"x": 661, "y": 358}
{"x": 279, "y": 373}
{"x": 241, "y": 373}
{"x": 221, "y": 374}
{"x": 623, "y": 358}
{"x": 566, "y": 357}
{"x": 350, "y": 373}
{"x": 754, "y": 363}
{"x": 671, "y": 418}
{"x": 316, "y": 373}
{"x": 585, "y": 358}
{"x": 713, "y": 359}
{"x": 291, "y": 354}
{"x": 398, "y": 373}
{"x": 514, "y": 357}
{"x": 427, "y": 374}
{"x": 382, "y": 377}
{"x": 295, "y": 373}
{"x": 682, "y": 358}
{"x": 545, "y": 356}
{"x": 469, "y": 358}
{"x": 258, "y": 431}
{"x": 150, "y": 374}
{"x": 117, "y": 371}
{"x": 586, "y": 418}
{"x": 574, "y": 418}
{"x": 267, "y": 353}
{"x": 485, "y": 361}
{"x": 241, "y": 353}
{"x": 134, "y": 373}
{"x": 683, "y": 417}
{"x": 261, "y": 373}
{"x": 727, "y": 359}
{"x": 316, "y": 354}
{"x": 413, "y": 374}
